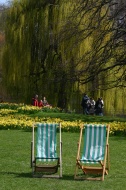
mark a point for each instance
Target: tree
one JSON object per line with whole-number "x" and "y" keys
{"x": 102, "y": 22}
{"x": 2, "y": 42}
{"x": 61, "y": 48}
{"x": 32, "y": 44}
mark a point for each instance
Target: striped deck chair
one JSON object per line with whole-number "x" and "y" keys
{"x": 93, "y": 156}
{"x": 47, "y": 161}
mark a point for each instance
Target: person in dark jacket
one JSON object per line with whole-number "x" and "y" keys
{"x": 85, "y": 104}
{"x": 99, "y": 107}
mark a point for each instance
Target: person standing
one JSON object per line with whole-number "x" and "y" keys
{"x": 92, "y": 106}
{"x": 85, "y": 104}
{"x": 99, "y": 107}
{"x": 102, "y": 101}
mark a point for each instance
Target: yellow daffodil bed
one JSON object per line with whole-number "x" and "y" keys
{"x": 13, "y": 116}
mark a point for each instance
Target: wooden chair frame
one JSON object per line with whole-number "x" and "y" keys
{"x": 44, "y": 170}
{"x": 88, "y": 170}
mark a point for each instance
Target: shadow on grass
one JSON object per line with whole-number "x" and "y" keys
{"x": 16, "y": 174}
{"x": 29, "y": 175}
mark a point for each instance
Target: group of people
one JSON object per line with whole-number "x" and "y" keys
{"x": 41, "y": 103}
{"x": 90, "y": 107}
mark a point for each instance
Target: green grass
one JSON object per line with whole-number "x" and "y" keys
{"x": 84, "y": 118}
{"x": 15, "y": 171}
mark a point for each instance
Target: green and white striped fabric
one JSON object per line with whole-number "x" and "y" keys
{"x": 46, "y": 141}
{"x": 94, "y": 143}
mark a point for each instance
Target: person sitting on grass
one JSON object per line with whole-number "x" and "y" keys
{"x": 41, "y": 103}
{"x": 45, "y": 102}
{"x": 35, "y": 101}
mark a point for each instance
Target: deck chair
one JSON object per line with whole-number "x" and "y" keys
{"x": 47, "y": 162}
{"x": 93, "y": 157}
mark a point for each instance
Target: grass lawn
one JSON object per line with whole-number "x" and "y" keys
{"x": 84, "y": 118}
{"x": 15, "y": 171}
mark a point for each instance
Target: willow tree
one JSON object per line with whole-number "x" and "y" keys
{"x": 32, "y": 61}
{"x": 93, "y": 20}
{"x": 61, "y": 48}
{"x": 27, "y": 47}
{"x": 99, "y": 31}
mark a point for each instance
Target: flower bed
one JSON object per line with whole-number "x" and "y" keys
{"x": 15, "y": 117}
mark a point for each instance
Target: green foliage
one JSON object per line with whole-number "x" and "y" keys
{"x": 12, "y": 106}
{"x": 51, "y": 109}
{"x": 49, "y": 45}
